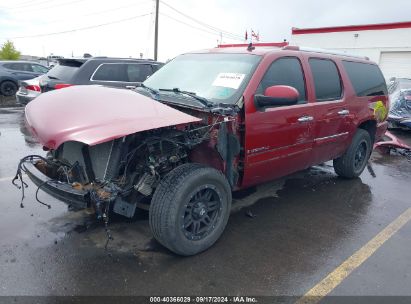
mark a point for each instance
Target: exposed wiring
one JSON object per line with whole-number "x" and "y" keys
{"x": 37, "y": 192}
{"x": 20, "y": 169}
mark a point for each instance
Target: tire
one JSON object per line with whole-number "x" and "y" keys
{"x": 352, "y": 163}
{"x": 188, "y": 195}
{"x": 8, "y": 88}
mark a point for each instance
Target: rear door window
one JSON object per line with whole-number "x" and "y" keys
{"x": 366, "y": 79}
{"x": 327, "y": 81}
{"x": 285, "y": 71}
{"x": 26, "y": 67}
{"x": 111, "y": 72}
{"x": 39, "y": 69}
{"x": 138, "y": 72}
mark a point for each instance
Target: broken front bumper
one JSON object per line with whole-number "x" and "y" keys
{"x": 76, "y": 198}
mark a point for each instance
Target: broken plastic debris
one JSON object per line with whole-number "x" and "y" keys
{"x": 250, "y": 214}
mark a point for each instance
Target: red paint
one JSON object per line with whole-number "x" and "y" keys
{"x": 274, "y": 141}
{"x": 281, "y": 91}
{"x": 95, "y": 114}
{"x": 277, "y": 144}
{"x": 265, "y": 44}
{"x": 352, "y": 28}
{"x": 62, "y": 85}
{"x": 391, "y": 142}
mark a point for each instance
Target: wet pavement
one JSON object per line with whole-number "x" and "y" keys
{"x": 282, "y": 237}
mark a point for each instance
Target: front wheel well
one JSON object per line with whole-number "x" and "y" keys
{"x": 11, "y": 80}
{"x": 370, "y": 126}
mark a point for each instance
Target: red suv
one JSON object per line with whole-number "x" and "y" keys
{"x": 206, "y": 124}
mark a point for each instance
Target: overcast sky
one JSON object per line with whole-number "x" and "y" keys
{"x": 185, "y": 25}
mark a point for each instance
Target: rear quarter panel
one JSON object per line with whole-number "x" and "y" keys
{"x": 362, "y": 108}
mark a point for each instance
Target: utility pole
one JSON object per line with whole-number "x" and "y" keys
{"x": 156, "y": 32}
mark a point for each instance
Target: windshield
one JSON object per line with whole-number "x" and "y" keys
{"x": 221, "y": 78}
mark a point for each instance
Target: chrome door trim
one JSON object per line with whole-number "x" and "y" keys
{"x": 331, "y": 136}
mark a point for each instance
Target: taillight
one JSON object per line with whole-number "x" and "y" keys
{"x": 62, "y": 85}
{"x": 33, "y": 88}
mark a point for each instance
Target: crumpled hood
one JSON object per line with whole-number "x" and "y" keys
{"x": 96, "y": 114}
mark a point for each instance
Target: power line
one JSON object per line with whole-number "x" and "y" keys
{"x": 95, "y": 13}
{"x": 27, "y": 3}
{"x": 82, "y": 28}
{"x": 190, "y": 25}
{"x": 234, "y": 36}
{"x": 45, "y": 7}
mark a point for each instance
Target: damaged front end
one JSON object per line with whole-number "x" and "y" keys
{"x": 117, "y": 175}
{"x": 106, "y": 164}
{"x": 95, "y": 161}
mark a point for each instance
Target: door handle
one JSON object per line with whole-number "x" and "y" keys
{"x": 305, "y": 118}
{"x": 131, "y": 87}
{"x": 343, "y": 112}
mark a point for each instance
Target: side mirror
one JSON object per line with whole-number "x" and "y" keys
{"x": 275, "y": 96}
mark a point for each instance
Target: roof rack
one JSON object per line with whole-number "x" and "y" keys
{"x": 323, "y": 51}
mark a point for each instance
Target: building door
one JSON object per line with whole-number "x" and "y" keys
{"x": 396, "y": 64}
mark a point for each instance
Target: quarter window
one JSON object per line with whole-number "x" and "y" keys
{"x": 285, "y": 71}
{"x": 111, "y": 72}
{"x": 122, "y": 72}
{"x": 19, "y": 66}
{"x": 366, "y": 79}
{"x": 327, "y": 80}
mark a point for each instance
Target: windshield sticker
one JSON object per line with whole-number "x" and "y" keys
{"x": 228, "y": 80}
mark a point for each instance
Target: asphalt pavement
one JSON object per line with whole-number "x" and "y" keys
{"x": 283, "y": 238}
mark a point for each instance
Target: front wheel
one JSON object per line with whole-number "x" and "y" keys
{"x": 190, "y": 209}
{"x": 352, "y": 163}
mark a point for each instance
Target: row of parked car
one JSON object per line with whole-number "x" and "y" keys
{"x": 28, "y": 79}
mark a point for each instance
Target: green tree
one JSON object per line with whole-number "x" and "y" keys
{"x": 8, "y": 51}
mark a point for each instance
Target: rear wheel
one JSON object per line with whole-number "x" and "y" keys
{"x": 190, "y": 209}
{"x": 8, "y": 88}
{"x": 352, "y": 163}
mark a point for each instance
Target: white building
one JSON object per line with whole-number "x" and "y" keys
{"x": 387, "y": 44}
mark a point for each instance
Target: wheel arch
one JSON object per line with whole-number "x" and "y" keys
{"x": 370, "y": 126}
{"x": 6, "y": 78}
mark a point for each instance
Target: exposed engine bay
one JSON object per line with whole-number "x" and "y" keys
{"x": 122, "y": 174}
{"x": 115, "y": 165}
{"x": 123, "y": 171}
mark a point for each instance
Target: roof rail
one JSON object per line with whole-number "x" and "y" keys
{"x": 323, "y": 51}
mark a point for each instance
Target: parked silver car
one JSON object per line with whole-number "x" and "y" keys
{"x": 28, "y": 90}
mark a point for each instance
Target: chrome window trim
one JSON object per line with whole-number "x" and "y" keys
{"x": 95, "y": 71}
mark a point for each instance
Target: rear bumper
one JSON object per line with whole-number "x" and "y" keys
{"x": 23, "y": 99}
{"x": 78, "y": 199}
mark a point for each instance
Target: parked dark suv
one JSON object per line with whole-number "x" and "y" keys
{"x": 11, "y": 72}
{"x": 114, "y": 72}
